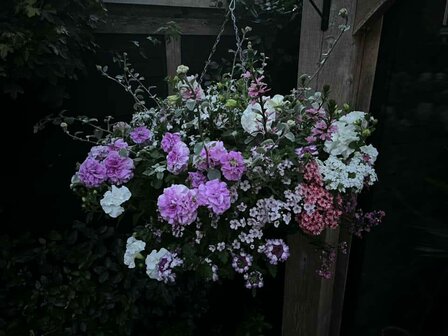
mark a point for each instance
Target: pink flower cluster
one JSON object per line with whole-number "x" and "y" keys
{"x": 106, "y": 164}
{"x": 215, "y": 156}
{"x": 178, "y": 153}
{"x": 320, "y": 208}
{"x": 214, "y": 195}
{"x": 258, "y": 88}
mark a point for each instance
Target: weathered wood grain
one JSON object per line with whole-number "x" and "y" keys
{"x": 134, "y": 19}
{"x": 176, "y": 3}
{"x": 313, "y": 306}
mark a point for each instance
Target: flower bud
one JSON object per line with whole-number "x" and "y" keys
{"x": 291, "y": 123}
{"x": 231, "y": 103}
{"x": 365, "y": 133}
{"x": 182, "y": 69}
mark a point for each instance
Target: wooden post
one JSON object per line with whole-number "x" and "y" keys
{"x": 313, "y": 306}
{"x": 173, "y": 54}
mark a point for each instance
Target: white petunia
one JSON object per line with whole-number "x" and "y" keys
{"x": 340, "y": 141}
{"x": 182, "y": 69}
{"x": 353, "y": 117}
{"x": 133, "y": 248}
{"x": 252, "y": 119}
{"x": 112, "y": 201}
{"x": 272, "y": 103}
{"x": 371, "y": 151}
{"x": 152, "y": 263}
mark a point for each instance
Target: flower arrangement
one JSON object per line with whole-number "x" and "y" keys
{"x": 214, "y": 178}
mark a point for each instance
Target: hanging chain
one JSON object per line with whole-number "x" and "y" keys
{"x": 230, "y": 13}
{"x": 235, "y": 28}
{"x": 215, "y": 45}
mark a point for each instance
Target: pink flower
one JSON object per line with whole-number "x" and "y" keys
{"x": 196, "y": 179}
{"x": 140, "y": 135}
{"x": 169, "y": 140}
{"x": 233, "y": 166}
{"x": 118, "y": 144}
{"x": 214, "y": 195}
{"x": 92, "y": 173}
{"x": 119, "y": 168}
{"x": 215, "y": 153}
{"x": 177, "y": 205}
{"x": 177, "y": 158}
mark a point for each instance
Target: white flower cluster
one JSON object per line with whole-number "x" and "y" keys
{"x": 345, "y": 134}
{"x": 353, "y": 175}
{"x": 112, "y": 201}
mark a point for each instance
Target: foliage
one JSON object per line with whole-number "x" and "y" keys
{"x": 43, "y": 41}
{"x": 74, "y": 282}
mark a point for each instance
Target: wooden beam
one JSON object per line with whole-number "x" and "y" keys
{"x": 131, "y": 19}
{"x": 173, "y": 55}
{"x": 175, "y": 3}
{"x": 368, "y": 11}
{"x": 313, "y": 306}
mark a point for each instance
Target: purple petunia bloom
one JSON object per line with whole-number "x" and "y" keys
{"x": 118, "y": 144}
{"x": 99, "y": 152}
{"x": 196, "y": 179}
{"x": 177, "y": 158}
{"x": 92, "y": 173}
{"x": 177, "y": 205}
{"x": 169, "y": 140}
{"x": 215, "y": 153}
{"x": 276, "y": 251}
{"x": 311, "y": 149}
{"x": 233, "y": 166}
{"x": 140, "y": 134}
{"x": 215, "y": 195}
{"x": 119, "y": 168}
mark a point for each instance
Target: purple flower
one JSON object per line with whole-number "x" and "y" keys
{"x": 99, "y": 152}
{"x": 311, "y": 149}
{"x": 177, "y": 205}
{"x": 92, "y": 173}
{"x": 253, "y": 279}
{"x": 169, "y": 140}
{"x": 241, "y": 262}
{"x": 119, "y": 168}
{"x": 196, "y": 179}
{"x": 214, "y": 195}
{"x": 177, "y": 158}
{"x": 276, "y": 251}
{"x": 215, "y": 152}
{"x": 160, "y": 264}
{"x": 233, "y": 166}
{"x": 118, "y": 144}
{"x": 140, "y": 134}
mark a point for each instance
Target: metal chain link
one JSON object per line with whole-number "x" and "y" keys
{"x": 231, "y": 13}
{"x": 215, "y": 45}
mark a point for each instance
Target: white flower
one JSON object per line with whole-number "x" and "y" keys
{"x": 272, "y": 103}
{"x": 340, "y": 141}
{"x": 152, "y": 263}
{"x": 371, "y": 151}
{"x": 112, "y": 201}
{"x": 252, "y": 119}
{"x": 182, "y": 69}
{"x": 133, "y": 248}
{"x": 353, "y": 117}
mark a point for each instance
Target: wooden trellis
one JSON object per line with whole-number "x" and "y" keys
{"x": 312, "y": 306}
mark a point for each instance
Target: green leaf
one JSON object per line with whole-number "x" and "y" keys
{"x": 290, "y": 136}
{"x": 198, "y": 148}
{"x": 213, "y": 174}
{"x": 191, "y": 104}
